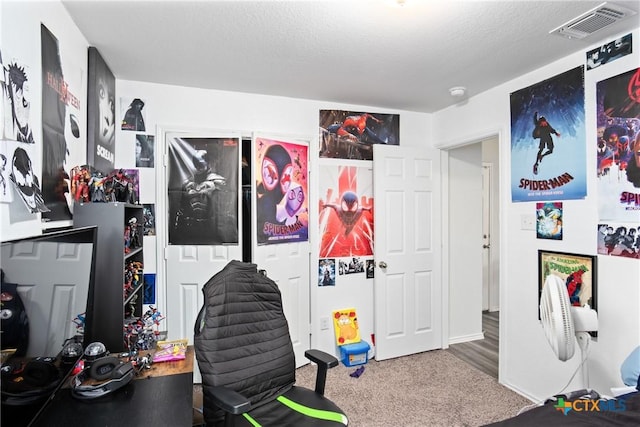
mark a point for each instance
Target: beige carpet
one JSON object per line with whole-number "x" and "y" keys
{"x": 427, "y": 389}
{"x": 422, "y": 390}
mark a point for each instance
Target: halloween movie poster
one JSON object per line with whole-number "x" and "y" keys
{"x": 346, "y": 211}
{"x": 618, "y": 121}
{"x": 61, "y": 118}
{"x": 351, "y": 135}
{"x": 548, "y": 142}
{"x": 282, "y": 191}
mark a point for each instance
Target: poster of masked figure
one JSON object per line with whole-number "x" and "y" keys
{"x": 101, "y": 114}
{"x": 282, "y": 191}
{"x": 618, "y": 147}
{"x": 62, "y": 139}
{"x": 203, "y": 190}
{"x": 548, "y": 142}
{"x": 346, "y": 211}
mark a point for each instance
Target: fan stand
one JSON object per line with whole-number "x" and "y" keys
{"x": 584, "y": 342}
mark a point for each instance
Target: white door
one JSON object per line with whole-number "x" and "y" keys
{"x": 286, "y": 263}
{"x": 187, "y": 267}
{"x": 407, "y": 289}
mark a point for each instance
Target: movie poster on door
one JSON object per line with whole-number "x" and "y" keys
{"x": 282, "y": 191}
{"x": 618, "y": 147}
{"x": 548, "y": 142}
{"x": 346, "y": 211}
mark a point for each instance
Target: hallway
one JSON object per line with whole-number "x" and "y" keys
{"x": 482, "y": 354}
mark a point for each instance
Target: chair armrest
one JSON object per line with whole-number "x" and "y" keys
{"x": 230, "y": 400}
{"x": 321, "y": 358}
{"x": 324, "y": 362}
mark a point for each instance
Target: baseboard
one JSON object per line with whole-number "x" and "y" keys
{"x": 466, "y": 338}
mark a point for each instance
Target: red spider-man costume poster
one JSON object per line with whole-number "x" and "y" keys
{"x": 346, "y": 211}
{"x": 282, "y": 192}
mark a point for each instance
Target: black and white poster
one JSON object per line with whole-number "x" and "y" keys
{"x": 101, "y": 114}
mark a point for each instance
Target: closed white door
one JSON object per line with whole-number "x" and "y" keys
{"x": 407, "y": 289}
{"x": 285, "y": 263}
{"x": 188, "y": 266}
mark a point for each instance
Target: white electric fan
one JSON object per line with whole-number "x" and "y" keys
{"x": 563, "y": 323}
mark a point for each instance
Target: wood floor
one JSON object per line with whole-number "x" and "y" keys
{"x": 482, "y": 354}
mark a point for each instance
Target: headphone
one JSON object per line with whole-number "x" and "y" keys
{"x": 26, "y": 383}
{"x": 110, "y": 370}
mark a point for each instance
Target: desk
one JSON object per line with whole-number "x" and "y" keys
{"x": 160, "y": 396}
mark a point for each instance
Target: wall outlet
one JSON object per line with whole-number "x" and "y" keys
{"x": 527, "y": 222}
{"x": 324, "y": 323}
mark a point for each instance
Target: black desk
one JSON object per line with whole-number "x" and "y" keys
{"x": 163, "y": 396}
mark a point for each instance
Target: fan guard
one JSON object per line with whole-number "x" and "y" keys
{"x": 557, "y": 322}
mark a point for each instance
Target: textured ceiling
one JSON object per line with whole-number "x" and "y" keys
{"x": 372, "y": 53}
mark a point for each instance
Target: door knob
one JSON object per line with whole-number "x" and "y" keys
{"x": 382, "y": 264}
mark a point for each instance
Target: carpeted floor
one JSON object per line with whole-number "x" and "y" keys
{"x": 428, "y": 389}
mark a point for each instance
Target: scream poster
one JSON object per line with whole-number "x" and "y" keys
{"x": 618, "y": 106}
{"x": 346, "y": 211}
{"x": 548, "y": 142}
{"x": 282, "y": 191}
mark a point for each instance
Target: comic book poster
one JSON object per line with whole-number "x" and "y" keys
{"x": 346, "y": 211}
{"x": 618, "y": 133}
{"x": 549, "y": 220}
{"x": 61, "y": 113}
{"x": 203, "y": 193}
{"x": 101, "y": 113}
{"x": 282, "y": 190}
{"x": 351, "y": 135}
{"x": 619, "y": 239}
{"x": 548, "y": 142}
{"x": 345, "y": 326}
{"x": 609, "y": 52}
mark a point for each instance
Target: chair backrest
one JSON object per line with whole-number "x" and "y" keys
{"x": 242, "y": 337}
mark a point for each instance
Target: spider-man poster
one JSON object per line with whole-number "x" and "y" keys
{"x": 346, "y": 211}
{"x": 351, "y": 135}
{"x": 282, "y": 192}
{"x": 548, "y": 140}
{"x": 618, "y": 133}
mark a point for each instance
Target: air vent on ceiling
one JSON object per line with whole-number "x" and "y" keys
{"x": 592, "y": 21}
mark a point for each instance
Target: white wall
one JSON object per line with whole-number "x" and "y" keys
{"x": 184, "y": 108}
{"x": 465, "y": 243}
{"x": 20, "y": 36}
{"x": 527, "y": 363}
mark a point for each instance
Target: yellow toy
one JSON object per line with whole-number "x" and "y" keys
{"x": 345, "y": 324}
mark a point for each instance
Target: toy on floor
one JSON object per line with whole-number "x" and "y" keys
{"x": 357, "y": 372}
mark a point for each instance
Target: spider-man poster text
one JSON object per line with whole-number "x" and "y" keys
{"x": 346, "y": 211}
{"x": 282, "y": 192}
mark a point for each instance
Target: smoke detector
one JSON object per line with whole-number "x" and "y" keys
{"x": 595, "y": 19}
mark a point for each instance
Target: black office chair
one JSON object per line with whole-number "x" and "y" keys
{"x": 246, "y": 358}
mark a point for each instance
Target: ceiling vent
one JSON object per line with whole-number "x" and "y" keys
{"x": 592, "y": 21}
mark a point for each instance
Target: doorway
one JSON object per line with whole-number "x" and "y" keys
{"x": 473, "y": 180}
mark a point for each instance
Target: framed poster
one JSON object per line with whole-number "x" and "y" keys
{"x": 101, "y": 114}
{"x": 579, "y": 272}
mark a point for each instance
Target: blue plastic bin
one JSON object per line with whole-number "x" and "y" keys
{"x": 354, "y": 354}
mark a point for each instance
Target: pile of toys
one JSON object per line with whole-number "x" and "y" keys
{"x": 91, "y": 185}
{"x": 133, "y": 277}
{"x": 142, "y": 333}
